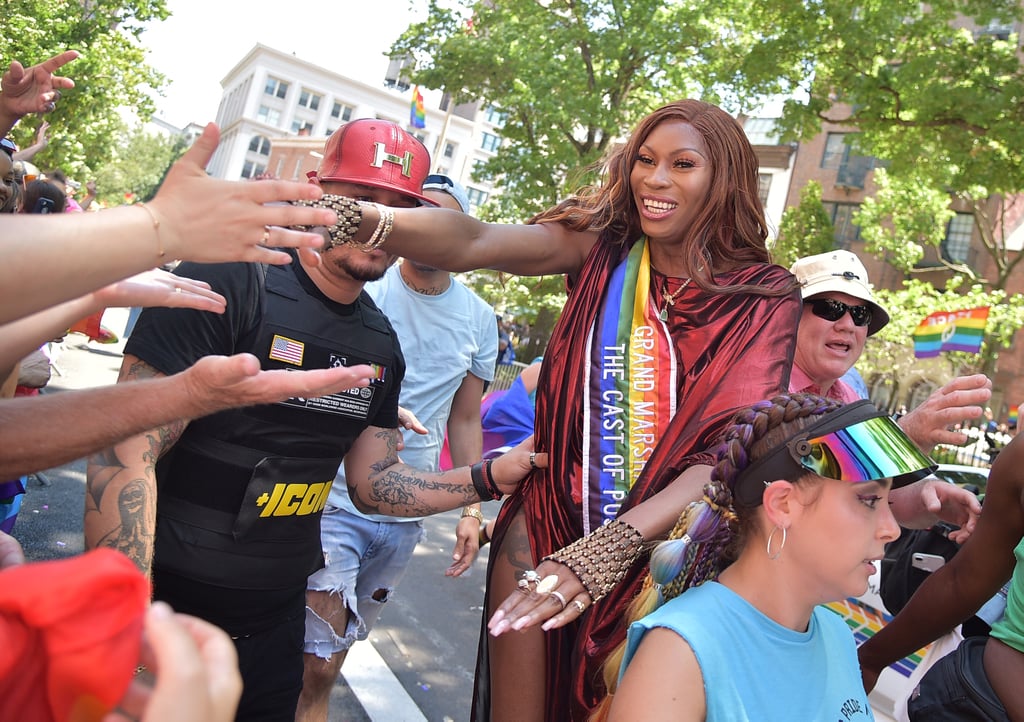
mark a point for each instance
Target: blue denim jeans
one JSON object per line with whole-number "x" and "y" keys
{"x": 364, "y": 561}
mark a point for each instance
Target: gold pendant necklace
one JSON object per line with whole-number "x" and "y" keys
{"x": 669, "y": 299}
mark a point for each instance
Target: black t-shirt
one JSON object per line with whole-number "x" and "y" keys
{"x": 171, "y": 340}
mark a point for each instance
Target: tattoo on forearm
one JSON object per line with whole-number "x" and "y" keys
{"x": 401, "y": 489}
{"x": 134, "y": 535}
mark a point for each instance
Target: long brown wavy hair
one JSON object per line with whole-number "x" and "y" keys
{"x": 729, "y": 232}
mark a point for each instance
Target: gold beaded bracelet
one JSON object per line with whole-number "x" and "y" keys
{"x": 350, "y": 217}
{"x": 156, "y": 229}
{"x": 602, "y": 558}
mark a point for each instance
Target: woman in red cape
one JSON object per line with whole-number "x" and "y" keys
{"x": 675, "y": 319}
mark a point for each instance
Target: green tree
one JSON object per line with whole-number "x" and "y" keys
{"x": 938, "y": 102}
{"x": 110, "y": 75}
{"x": 138, "y": 166}
{"x": 571, "y": 76}
{"x": 805, "y": 229}
{"x": 889, "y": 355}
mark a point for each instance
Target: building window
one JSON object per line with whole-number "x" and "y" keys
{"x": 301, "y": 127}
{"x": 449, "y": 150}
{"x": 309, "y": 100}
{"x": 342, "y": 112}
{"x": 494, "y": 116}
{"x": 836, "y": 151}
{"x": 476, "y": 197}
{"x": 270, "y": 116}
{"x": 764, "y": 184}
{"x": 275, "y": 87}
{"x": 842, "y": 220}
{"x": 252, "y": 170}
{"x": 260, "y": 145}
{"x": 490, "y": 142}
{"x": 957, "y": 244}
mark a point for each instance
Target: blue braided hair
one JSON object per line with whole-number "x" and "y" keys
{"x": 710, "y": 532}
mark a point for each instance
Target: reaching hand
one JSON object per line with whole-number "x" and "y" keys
{"x": 467, "y": 546}
{"x": 195, "y": 669}
{"x": 160, "y": 288}
{"x": 222, "y": 382}
{"x": 11, "y": 554}
{"x": 35, "y": 89}
{"x": 409, "y": 421}
{"x": 962, "y": 398}
{"x": 921, "y": 504}
{"x": 516, "y": 464}
{"x": 541, "y": 601}
{"x": 209, "y": 220}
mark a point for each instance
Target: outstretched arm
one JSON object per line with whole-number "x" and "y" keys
{"x": 94, "y": 419}
{"x": 380, "y": 483}
{"x": 954, "y": 592}
{"x": 48, "y": 260}
{"x": 151, "y": 288}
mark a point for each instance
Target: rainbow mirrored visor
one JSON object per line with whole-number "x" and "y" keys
{"x": 856, "y": 443}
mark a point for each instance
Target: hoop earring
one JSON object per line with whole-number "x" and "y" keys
{"x": 782, "y": 546}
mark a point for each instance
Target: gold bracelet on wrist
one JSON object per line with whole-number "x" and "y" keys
{"x": 156, "y": 229}
{"x": 473, "y": 512}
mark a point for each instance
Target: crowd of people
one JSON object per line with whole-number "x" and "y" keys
{"x": 276, "y": 430}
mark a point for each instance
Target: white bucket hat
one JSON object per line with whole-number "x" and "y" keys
{"x": 841, "y": 272}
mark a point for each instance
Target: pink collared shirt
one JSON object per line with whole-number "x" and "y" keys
{"x": 840, "y": 390}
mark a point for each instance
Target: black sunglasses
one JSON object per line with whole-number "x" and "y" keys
{"x": 833, "y": 310}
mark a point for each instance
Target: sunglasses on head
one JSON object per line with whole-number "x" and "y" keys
{"x": 833, "y": 310}
{"x": 8, "y": 146}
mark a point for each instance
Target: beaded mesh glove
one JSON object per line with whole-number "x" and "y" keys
{"x": 603, "y": 557}
{"x": 350, "y": 216}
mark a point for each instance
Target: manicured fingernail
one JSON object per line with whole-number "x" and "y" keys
{"x": 521, "y": 623}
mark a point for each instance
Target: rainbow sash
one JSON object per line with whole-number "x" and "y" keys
{"x": 631, "y": 381}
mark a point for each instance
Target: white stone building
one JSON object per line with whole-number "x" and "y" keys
{"x": 277, "y": 110}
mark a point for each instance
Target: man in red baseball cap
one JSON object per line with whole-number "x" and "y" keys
{"x": 224, "y": 511}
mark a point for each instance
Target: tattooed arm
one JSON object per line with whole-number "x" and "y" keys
{"x": 120, "y": 492}
{"x": 380, "y": 483}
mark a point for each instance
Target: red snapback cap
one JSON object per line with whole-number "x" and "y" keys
{"x": 376, "y": 153}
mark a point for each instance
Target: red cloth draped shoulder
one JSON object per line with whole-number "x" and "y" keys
{"x": 733, "y": 349}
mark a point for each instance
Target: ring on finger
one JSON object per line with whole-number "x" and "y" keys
{"x": 547, "y": 584}
{"x": 580, "y": 606}
{"x": 557, "y": 596}
{"x": 533, "y": 459}
{"x": 177, "y": 289}
{"x": 266, "y": 235}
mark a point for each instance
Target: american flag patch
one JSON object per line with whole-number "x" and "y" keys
{"x": 287, "y": 350}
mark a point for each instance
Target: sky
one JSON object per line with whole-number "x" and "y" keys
{"x": 204, "y": 39}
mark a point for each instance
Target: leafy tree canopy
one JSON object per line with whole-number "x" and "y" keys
{"x": 110, "y": 74}
{"x": 805, "y": 229}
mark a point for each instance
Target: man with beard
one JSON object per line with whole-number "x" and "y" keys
{"x": 450, "y": 342}
{"x": 224, "y": 511}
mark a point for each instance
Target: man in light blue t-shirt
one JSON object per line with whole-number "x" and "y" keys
{"x": 450, "y": 343}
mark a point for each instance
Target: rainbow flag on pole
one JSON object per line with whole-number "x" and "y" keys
{"x": 417, "y": 115}
{"x": 950, "y": 331}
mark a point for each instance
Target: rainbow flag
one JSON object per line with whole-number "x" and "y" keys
{"x": 1013, "y": 416}
{"x": 950, "y": 331}
{"x": 417, "y": 115}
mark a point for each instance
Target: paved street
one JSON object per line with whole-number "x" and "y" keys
{"x": 418, "y": 663}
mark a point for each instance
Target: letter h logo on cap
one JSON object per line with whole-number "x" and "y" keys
{"x": 379, "y": 154}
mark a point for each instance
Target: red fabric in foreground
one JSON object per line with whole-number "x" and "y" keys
{"x": 71, "y": 633}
